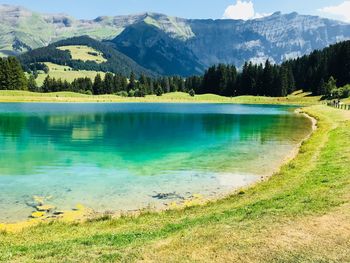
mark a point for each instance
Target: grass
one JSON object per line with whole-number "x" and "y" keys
{"x": 84, "y": 53}
{"x": 25, "y": 96}
{"x": 301, "y": 214}
{"x": 65, "y": 73}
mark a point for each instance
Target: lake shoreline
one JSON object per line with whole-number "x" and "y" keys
{"x": 83, "y": 214}
{"x": 175, "y": 97}
{"x": 304, "y": 204}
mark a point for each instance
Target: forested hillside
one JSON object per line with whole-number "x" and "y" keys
{"x": 321, "y": 73}
{"x": 116, "y": 61}
{"x": 310, "y": 73}
{"x": 150, "y": 47}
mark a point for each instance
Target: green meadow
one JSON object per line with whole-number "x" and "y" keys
{"x": 84, "y": 53}
{"x": 65, "y": 73}
{"x": 300, "y": 214}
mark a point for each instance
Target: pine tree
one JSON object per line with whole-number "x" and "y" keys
{"x": 108, "y": 84}
{"x": 284, "y": 81}
{"x": 166, "y": 85}
{"x": 159, "y": 91}
{"x": 98, "y": 85}
{"x": 291, "y": 80}
{"x": 268, "y": 79}
{"x": 32, "y": 86}
{"x": 17, "y": 78}
{"x": 46, "y": 87}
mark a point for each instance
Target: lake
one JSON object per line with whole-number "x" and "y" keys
{"x": 123, "y": 157}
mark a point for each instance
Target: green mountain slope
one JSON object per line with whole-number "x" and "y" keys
{"x": 149, "y": 46}
{"x": 113, "y": 60}
{"x": 277, "y": 37}
{"x": 22, "y": 29}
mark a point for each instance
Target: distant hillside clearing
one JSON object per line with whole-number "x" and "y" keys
{"x": 66, "y": 73}
{"x": 84, "y": 53}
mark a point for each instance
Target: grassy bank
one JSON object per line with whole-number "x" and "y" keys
{"x": 301, "y": 214}
{"x": 25, "y": 96}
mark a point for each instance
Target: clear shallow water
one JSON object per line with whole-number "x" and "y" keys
{"x": 117, "y": 156}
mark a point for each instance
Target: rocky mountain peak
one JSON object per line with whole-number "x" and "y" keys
{"x": 206, "y": 41}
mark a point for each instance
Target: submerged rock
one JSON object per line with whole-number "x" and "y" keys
{"x": 45, "y": 208}
{"x": 38, "y": 200}
{"x": 58, "y": 213}
{"x": 164, "y": 196}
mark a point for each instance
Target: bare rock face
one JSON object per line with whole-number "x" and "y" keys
{"x": 207, "y": 42}
{"x": 197, "y": 43}
{"x": 277, "y": 37}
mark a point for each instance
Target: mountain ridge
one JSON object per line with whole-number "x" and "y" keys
{"x": 157, "y": 51}
{"x": 212, "y": 41}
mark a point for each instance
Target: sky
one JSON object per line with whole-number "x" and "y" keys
{"x": 216, "y": 9}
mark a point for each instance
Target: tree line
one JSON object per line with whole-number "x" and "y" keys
{"x": 314, "y": 73}
{"x": 112, "y": 84}
{"x": 320, "y": 73}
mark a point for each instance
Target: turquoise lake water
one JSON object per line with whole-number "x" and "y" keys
{"x": 120, "y": 156}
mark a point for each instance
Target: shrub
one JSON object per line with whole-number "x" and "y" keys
{"x": 139, "y": 93}
{"x": 341, "y": 93}
{"x": 192, "y": 93}
{"x": 131, "y": 93}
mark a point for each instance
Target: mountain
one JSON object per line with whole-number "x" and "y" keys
{"x": 152, "y": 48}
{"x": 22, "y": 29}
{"x": 277, "y": 37}
{"x": 201, "y": 42}
{"x": 112, "y": 60}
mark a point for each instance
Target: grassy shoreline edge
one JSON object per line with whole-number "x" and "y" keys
{"x": 297, "y": 98}
{"x": 83, "y": 214}
{"x": 255, "y": 224}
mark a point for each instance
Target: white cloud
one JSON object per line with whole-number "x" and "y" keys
{"x": 242, "y": 10}
{"x": 340, "y": 12}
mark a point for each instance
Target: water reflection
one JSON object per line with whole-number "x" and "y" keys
{"x": 135, "y": 139}
{"x": 116, "y": 156}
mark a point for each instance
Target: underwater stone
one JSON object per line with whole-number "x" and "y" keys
{"x": 45, "y": 208}
{"x": 163, "y": 196}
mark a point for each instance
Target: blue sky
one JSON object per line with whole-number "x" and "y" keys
{"x": 189, "y": 8}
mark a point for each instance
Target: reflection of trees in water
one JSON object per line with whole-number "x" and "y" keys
{"x": 125, "y": 129}
{"x": 12, "y": 125}
{"x": 259, "y": 127}
{"x": 135, "y": 138}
